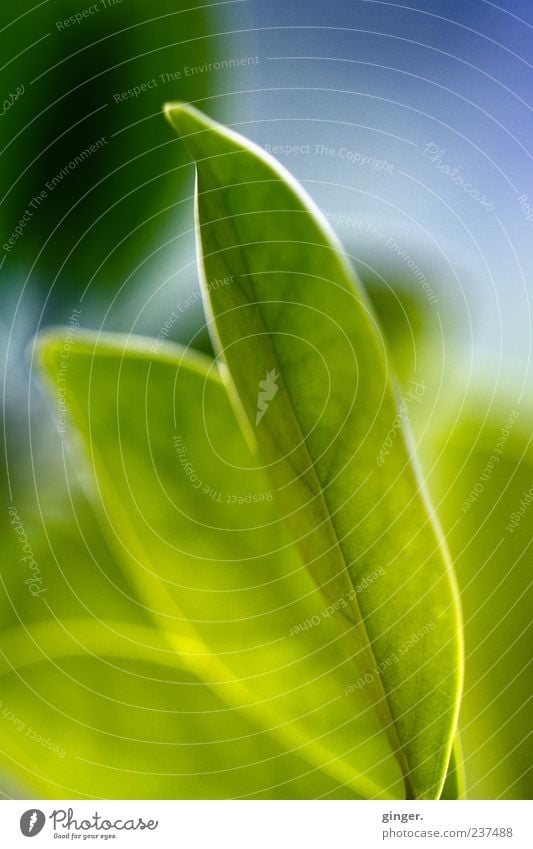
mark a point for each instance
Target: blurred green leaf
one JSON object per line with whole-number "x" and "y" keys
{"x": 77, "y": 575}
{"x": 103, "y": 710}
{"x": 482, "y": 463}
{"x": 195, "y": 524}
{"x": 94, "y": 701}
{"x": 314, "y": 391}
{"x": 478, "y": 487}
{"x": 454, "y": 786}
{"x": 406, "y": 319}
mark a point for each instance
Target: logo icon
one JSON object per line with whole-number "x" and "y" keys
{"x": 32, "y": 822}
{"x": 269, "y": 388}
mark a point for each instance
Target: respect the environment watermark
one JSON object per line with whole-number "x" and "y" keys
{"x": 390, "y": 243}
{"x": 527, "y": 208}
{"x": 40, "y": 197}
{"x": 186, "y": 72}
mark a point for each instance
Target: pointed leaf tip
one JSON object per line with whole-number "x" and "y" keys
{"x": 186, "y": 120}
{"x": 193, "y": 127}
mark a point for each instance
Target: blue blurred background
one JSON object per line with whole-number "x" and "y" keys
{"x": 406, "y": 122}
{"x": 429, "y": 87}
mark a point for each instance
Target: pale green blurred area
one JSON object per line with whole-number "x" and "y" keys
{"x": 482, "y": 476}
{"x": 85, "y": 692}
{"x": 477, "y": 456}
{"x": 95, "y": 701}
{"x": 213, "y": 565}
{"x": 491, "y": 564}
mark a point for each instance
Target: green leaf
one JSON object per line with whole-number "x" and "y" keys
{"x": 93, "y": 700}
{"x": 407, "y": 320}
{"x": 482, "y": 457}
{"x": 310, "y": 380}
{"x": 67, "y": 684}
{"x": 195, "y": 525}
{"x": 76, "y": 574}
{"x": 103, "y": 710}
{"x": 454, "y": 786}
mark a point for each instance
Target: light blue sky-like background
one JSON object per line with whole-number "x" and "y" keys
{"x": 384, "y": 80}
{"x": 381, "y": 81}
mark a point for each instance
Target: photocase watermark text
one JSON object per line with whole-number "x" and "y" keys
{"x": 11, "y": 99}
{"x": 436, "y": 155}
{"x": 35, "y": 581}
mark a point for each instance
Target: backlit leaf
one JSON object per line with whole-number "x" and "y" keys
{"x": 309, "y": 377}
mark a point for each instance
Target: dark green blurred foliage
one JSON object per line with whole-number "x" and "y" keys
{"x": 96, "y": 221}
{"x": 403, "y": 318}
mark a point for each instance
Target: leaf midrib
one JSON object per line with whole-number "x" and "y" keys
{"x": 384, "y": 705}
